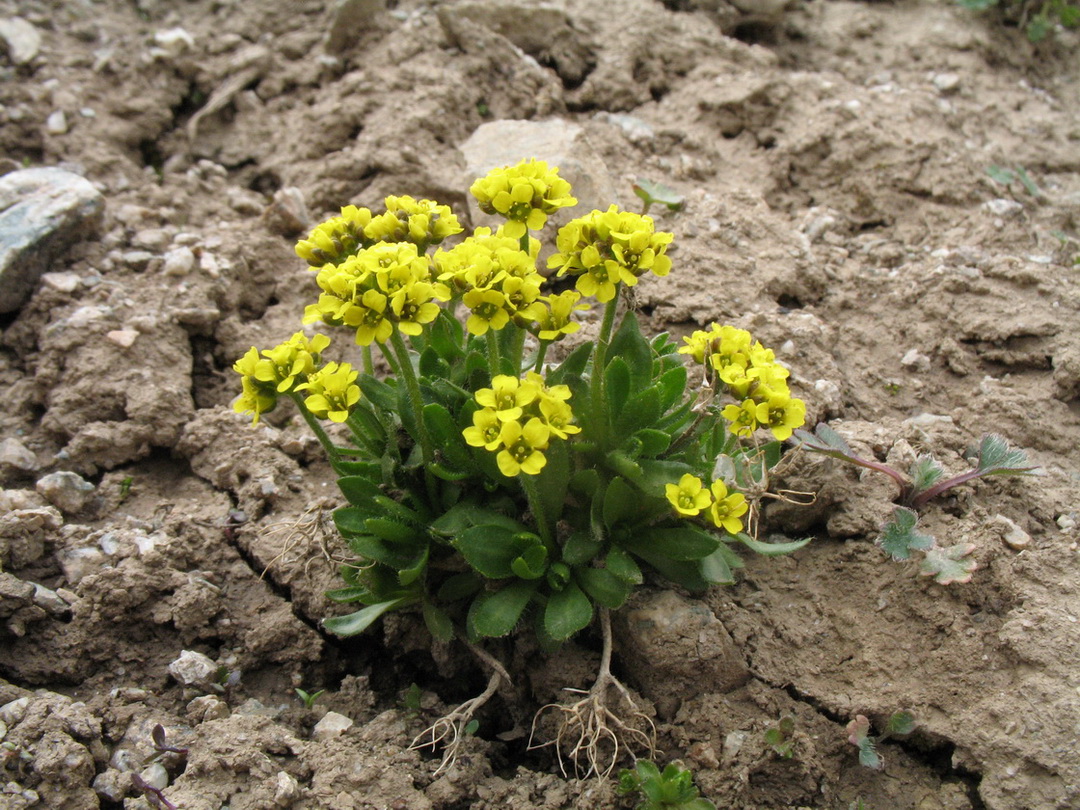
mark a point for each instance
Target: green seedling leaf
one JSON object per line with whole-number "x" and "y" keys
{"x": 1021, "y": 172}
{"x": 898, "y": 536}
{"x": 602, "y": 586}
{"x": 656, "y": 193}
{"x": 996, "y": 457}
{"x": 716, "y": 568}
{"x": 949, "y": 565}
{"x": 925, "y": 472}
{"x": 360, "y": 621}
{"x": 471, "y": 727}
{"x": 858, "y": 735}
{"x": 491, "y": 550}
{"x": 308, "y": 698}
{"x": 681, "y": 544}
{"x": 622, "y": 565}
{"x": 780, "y": 737}
{"x": 771, "y": 549}
{"x": 999, "y": 174}
{"x": 438, "y": 623}
{"x": 621, "y": 501}
{"x": 900, "y": 724}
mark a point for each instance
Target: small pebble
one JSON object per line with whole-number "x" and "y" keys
{"x": 916, "y": 361}
{"x": 56, "y": 123}
{"x": 946, "y": 83}
{"x": 124, "y": 338}
{"x": 194, "y": 669}
{"x": 1003, "y": 208}
{"x": 331, "y": 725}
{"x": 14, "y": 453}
{"x": 1011, "y": 534}
{"x": 22, "y": 39}
{"x": 67, "y": 491}
{"x": 179, "y": 261}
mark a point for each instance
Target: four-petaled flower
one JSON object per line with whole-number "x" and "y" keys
{"x": 726, "y": 509}
{"x": 523, "y": 447}
{"x": 689, "y": 496}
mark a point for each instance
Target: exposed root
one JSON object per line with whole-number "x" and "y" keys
{"x": 592, "y": 734}
{"x": 451, "y": 729}
{"x": 312, "y": 527}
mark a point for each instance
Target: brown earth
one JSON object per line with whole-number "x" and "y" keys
{"x": 834, "y": 161}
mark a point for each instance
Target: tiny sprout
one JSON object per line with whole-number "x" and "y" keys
{"x": 153, "y": 795}
{"x": 899, "y": 724}
{"x": 125, "y": 487}
{"x": 651, "y": 193}
{"x": 780, "y": 737}
{"x": 411, "y": 700}
{"x": 226, "y": 679}
{"x": 308, "y": 698}
{"x": 471, "y": 727}
{"x": 160, "y": 745}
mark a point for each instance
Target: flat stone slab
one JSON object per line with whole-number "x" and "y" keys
{"x": 42, "y": 213}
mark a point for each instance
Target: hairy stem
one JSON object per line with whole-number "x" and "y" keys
{"x": 536, "y": 505}
{"x": 406, "y": 372}
{"x": 599, "y": 365}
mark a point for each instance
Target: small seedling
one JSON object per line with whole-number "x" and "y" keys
{"x": 673, "y": 789}
{"x": 160, "y": 744}
{"x": 153, "y": 795}
{"x": 781, "y": 738}
{"x": 900, "y": 725}
{"x": 410, "y": 701}
{"x": 926, "y": 480}
{"x": 1006, "y": 177}
{"x": 12, "y": 754}
{"x": 308, "y": 698}
{"x": 657, "y": 194}
{"x": 125, "y": 487}
{"x": 1038, "y": 25}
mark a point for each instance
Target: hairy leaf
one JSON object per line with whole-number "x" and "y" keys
{"x": 358, "y": 622}
{"x": 495, "y": 614}
{"x": 771, "y": 549}
{"x": 568, "y": 611}
{"x": 656, "y": 192}
{"x": 949, "y": 565}
{"x": 996, "y": 457}
{"x": 925, "y": 472}
{"x": 898, "y": 536}
{"x": 901, "y": 723}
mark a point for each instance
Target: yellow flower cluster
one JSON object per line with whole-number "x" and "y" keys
{"x": 517, "y": 420}
{"x": 690, "y": 498}
{"x": 752, "y": 375}
{"x": 331, "y": 391}
{"x": 605, "y": 248}
{"x": 385, "y": 286}
{"x": 525, "y": 194}
{"x": 422, "y": 222}
{"x": 289, "y": 366}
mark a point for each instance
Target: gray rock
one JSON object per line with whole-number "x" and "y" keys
{"x": 179, "y": 261}
{"x": 1003, "y": 208}
{"x": 155, "y": 775}
{"x": 332, "y": 725}
{"x": 194, "y": 669}
{"x": 560, "y": 143}
{"x": 946, "y": 83}
{"x": 79, "y": 563}
{"x": 207, "y": 707}
{"x": 287, "y": 790}
{"x": 14, "y": 453}
{"x": 42, "y": 213}
{"x": 21, "y": 40}
{"x": 67, "y": 491}
{"x": 56, "y": 123}
{"x": 13, "y": 713}
{"x": 1011, "y": 534}
{"x": 916, "y": 361}
{"x": 112, "y": 785}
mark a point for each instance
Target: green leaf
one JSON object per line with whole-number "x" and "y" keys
{"x": 353, "y": 593}
{"x": 492, "y": 549}
{"x": 554, "y": 480}
{"x": 567, "y": 612}
{"x": 446, "y": 436}
{"x": 716, "y": 568}
{"x": 859, "y": 735}
{"x": 1021, "y": 172}
{"x": 652, "y": 442}
{"x": 771, "y": 549}
{"x": 640, "y": 411}
{"x": 438, "y": 623}
{"x": 925, "y": 472}
{"x": 681, "y": 544}
{"x": 656, "y": 473}
{"x": 949, "y": 565}
{"x": 532, "y": 564}
{"x": 623, "y": 566}
{"x": 996, "y": 457}
{"x": 496, "y": 613}
{"x": 459, "y": 586}
{"x": 351, "y": 520}
{"x": 999, "y": 174}
{"x": 868, "y": 754}
{"x": 446, "y": 334}
{"x": 466, "y": 514}
{"x": 411, "y": 572}
{"x": 580, "y": 548}
{"x": 824, "y": 440}
{"x": 431, "y": 365}
{"x": 380, "y": 394}
{"x": 585, "y": 482}
{"x": 616, "y": 387}
{"x": 672, "y": 385}
{"x": 359, "y": 490}
{"x": 371, "y": 470}
{"x": 392, "y": 531}
{"x": 602, "y": 586}
{"x": 898, "y": 536}
{"x": 655, "y": 192}
{"x": 358, "y": 622}
{"x": 573, "y": 366}
{"x": 398, "y": 557}
{"x": 621, "y": 501}
{"x": 628, "y": 345}
{"x": 901, "y": 723}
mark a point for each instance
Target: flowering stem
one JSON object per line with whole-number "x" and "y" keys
{"x": 517, "y": 348}
{"x": 313, "y": 423}
{"x": 494, "y": 357}
{"x": 599, "y": 364}
{"x": 406, "y": 372}
{"x": 540, "y": 352}
{"x": 528, "y": 483}
{"x": 369, "y": 365}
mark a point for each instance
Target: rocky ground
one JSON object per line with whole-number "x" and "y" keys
{"x": 162, "y": 563}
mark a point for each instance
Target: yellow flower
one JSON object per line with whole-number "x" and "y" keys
{"x": 412, "y": 307}
{"x": 781, "y": 414}
{"x": 255, "y": 398}
{"x": 421, "y": 222}
{"x": 525, "y": 194}
{"x": 555, "y": 321}
{"x": 743, "y": 417}
{"x": 507, "y": 396}
{"x": 287, "y": 363}
{"x": 337, "y": 238}
{"x": 485, "y": 431}
{"x": 597, "y": 282}
{"x": 331, "y": 391}
{"x": 726, "y": 509}
{"x": 369, "y": 319}
{"x": 623, "y": 242}
{"x": 488, "y": 310}
{"x": 522, "y": 447}
{"x": 557, "y": 415}
{"x": 689, "y": 496}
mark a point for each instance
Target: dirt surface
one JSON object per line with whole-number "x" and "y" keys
{"x": 834, "y": 161}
